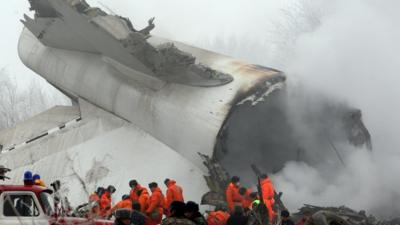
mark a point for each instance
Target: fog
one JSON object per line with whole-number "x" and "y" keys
{"x": 346, "y": 50}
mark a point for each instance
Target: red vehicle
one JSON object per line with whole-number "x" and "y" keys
{"x": 34, "y": 205}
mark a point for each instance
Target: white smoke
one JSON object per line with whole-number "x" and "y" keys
{"x": 352, "y": 55}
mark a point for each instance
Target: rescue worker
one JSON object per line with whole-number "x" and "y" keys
{"x": 177, "y": 216}
{"x": 139, "y": 194}
{"x": 38, "y": 181}
{"x": 94, "y": 201}
{"x": 125, "y": 203}
{"x": 133, "y": 184}
{"x": 28, "y": 178}
{"x": 268, "y": 194}
{"x": 106, "y": 201}
{"x": 233, "y": 197}
{"x": 155, "y": 204}
{"x": 246, "y": 199}
{"x": 174, "y": 193}
{"x": 192, "y": 213}
{"x": 219, "y": 216}
{"x": 135, "y": 187}
{"x": 143, "y": 199}
{"x": 285, "y": 218}
{"x": 95, "y": 196}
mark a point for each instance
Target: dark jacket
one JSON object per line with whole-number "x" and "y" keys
{"x": 138, "y": 218}
{"x": 237, "y": 219}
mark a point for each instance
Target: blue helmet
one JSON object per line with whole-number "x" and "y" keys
{"x": 28, "y": 176}
{"x": 36, "y": 177}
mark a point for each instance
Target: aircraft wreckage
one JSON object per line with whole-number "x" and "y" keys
{"x": 144, "y": 107}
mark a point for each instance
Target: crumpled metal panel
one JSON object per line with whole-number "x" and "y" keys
{"x": 77, "y": 26}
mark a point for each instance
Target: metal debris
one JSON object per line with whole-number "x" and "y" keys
{"x": 115, "y": 37}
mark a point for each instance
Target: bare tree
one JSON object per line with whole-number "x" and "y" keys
{"x": 276, "y": 46}
{"x": 8, "y": 100}
{"x": 300, "y": 17}
{"x": 20, "y": 103}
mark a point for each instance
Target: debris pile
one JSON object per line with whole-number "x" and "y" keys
{"x": 307, "y": 215}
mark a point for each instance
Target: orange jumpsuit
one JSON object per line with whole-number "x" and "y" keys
{"x": 268, "y": 193}
{"x": 246, "y": 200}
{"x": 155, "y": 207}
{"x": 133, "y": 193}
{"x": 143, "y": 200}
{"x": 233, "y": 197}
{"x": 124, "y": 204}
{"x": 105, "y": 204}
{"x": 95, "y": 198}
{"x": 174, "y": 193}
{"x": 217, "y": 218}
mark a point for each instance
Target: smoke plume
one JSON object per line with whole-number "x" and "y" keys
{"x": 351, "y": 55}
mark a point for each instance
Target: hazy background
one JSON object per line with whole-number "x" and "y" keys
{"x": 347, "y": 50}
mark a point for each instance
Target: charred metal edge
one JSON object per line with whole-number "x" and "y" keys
{"x": 258, "y": 90}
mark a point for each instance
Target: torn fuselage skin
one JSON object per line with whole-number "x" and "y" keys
{"x": 268, "y": 127}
